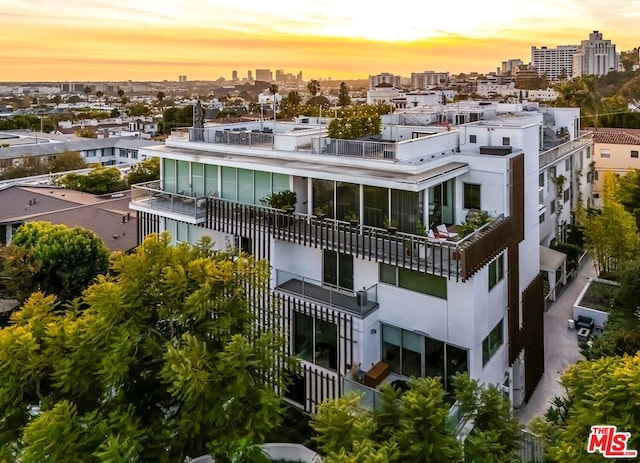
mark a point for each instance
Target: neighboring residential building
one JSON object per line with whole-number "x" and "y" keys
{"x": 358, "y": 300}
{"x": 615, "y": 150}
{"x": 554, "y": 62}
{"x": 108, "y": 217}
{"x": 384, "y": 79}
{"x": 595, "y": 56}
{"x": 548, "y": 94}
{"x": 428, "y": 79}
{"x": 383, "y": 93}
{"x": 26, "y": 145}
{"x": 489, "y": 90}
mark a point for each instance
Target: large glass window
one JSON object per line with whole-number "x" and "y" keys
{"x": 245, "y": 186}
{"x": 471, "y": 196}
{"x": 376, "y": 205}
{"x": 492, "y": 342}
{"x": 338, "y": 269}
{"x": 211, "y": 180}
{"x": 406, "y": 209}
{"x": 411, "y": 354}
{"x": 229, "y": 183}
{"x": 280, "y": 182}
{"x": 183, "y": 186}
{"x": 262, "y": 187}
{"x": 169, "y": 173}
{"x": 316, "y": 340}
{"x": 347, "y": 200}
{"x": 414, "y": 281}
{"x": 197, "y": 178}
{"x": 323, "y": 191}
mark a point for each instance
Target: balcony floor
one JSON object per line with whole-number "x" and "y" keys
{"x": 329, "y": 297}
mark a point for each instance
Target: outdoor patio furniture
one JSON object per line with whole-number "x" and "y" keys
{"x": 377, "y": 373}
{"x": 443, "y": 231}
{"x": 585, "y": 322}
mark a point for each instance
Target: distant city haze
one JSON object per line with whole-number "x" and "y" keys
{"x": 96, "y": 40}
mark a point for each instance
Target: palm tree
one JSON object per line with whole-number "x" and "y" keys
{"x": 313, "y": 86}
{"x": 87, "y": 91}
{"x": 99, "y": 95}
{"x": 123, "y": 99}
{"x": 160, "y": 97}
{"x": 57, "y": 99}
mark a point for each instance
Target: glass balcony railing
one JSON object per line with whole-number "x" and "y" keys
{"x": 150, "y": 197}
{"x": 360, "y": 302}
{"x": 552, "y": 155}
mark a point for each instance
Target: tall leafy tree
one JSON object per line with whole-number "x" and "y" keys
{"x": 603, "y": 391}
{"x": 99, "y": 95}
{"x": 611, "y": 234}
{"x": 54, "y": 259}
{"x": 343, "y": 95}
{"x": 68, "y": 160}
{"x": 314, "y": 87}
{"x": 87, "y": 91}
{"x": 160, "y": 361}
{"x": 144, "y": 171}
{"x": 100, "y": 180}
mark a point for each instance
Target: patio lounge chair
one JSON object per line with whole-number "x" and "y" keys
{"x": 442, "y": 231}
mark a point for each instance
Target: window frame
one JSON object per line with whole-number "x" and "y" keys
{"x": 469, "y": 197}
{"x": 492, "y": 342}
{"x": 496, "y": 270}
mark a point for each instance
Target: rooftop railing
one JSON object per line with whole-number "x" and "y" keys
{"x": 354, "y": 148}
{"x": 237, "y": 137}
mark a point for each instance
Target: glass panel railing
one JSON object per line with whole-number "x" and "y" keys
{"x": 552, "y": 155}
{"x": 360, "y": 302}
{"x": 150, "y": 195}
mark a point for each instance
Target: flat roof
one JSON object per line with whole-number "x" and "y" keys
{"x": 373, "y": 172}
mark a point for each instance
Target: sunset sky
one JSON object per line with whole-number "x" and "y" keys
{"x": 100, "y": 40}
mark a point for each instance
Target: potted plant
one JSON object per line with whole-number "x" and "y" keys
{"x": 352, "y": 218}
{"x": 321, "y": 211}
{"x": 284, "y": 200}
{"x": 391, "y": 225}
{"x": 420, "y": 228}
{"x": 472, "y": 223}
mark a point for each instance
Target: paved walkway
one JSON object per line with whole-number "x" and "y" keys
{"x": 560, "y": 346}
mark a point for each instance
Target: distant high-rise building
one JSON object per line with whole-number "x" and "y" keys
{"x": 509, "y": 64}
{"x": 554, "y": 62}
{"x": 428, "y": 79}
{"x": 279, "y": 75}
{"x": 182, "y": 78}
{"x": 249, "y": 76}
{"x": 264, "y": 75}
{"x": 300, "y": 77}
{"x": 595, "y": 56}
{"x": 384, "y": 78}
{"x": 234, "y": 75}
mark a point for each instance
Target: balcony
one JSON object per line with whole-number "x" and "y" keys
{"x": 451, "y": 259}
{"x": 357, "y": 302}
{"x": 371, "y": 398}
{"x": 150, "y": 197}
{"x": 236, "y": 136}
{"x": 553, "y": 155}
{"x": 354, "y": 148}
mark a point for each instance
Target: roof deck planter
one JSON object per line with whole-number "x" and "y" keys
{"x": 284, "y": 200}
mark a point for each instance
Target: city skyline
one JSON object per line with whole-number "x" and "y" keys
{"x": 96, "y": 40}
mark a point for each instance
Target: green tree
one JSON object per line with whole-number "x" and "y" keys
{"x": 160, "y": 96}
{"x": 602, "y": 391}
{"x": 100, "y": 180}
{"x": 160, "y": 361}
{"x": 139, "y": 109}
{"x": 87, "y": 91}
{"x": 57, "y": 99}
{"x": 611, "y": 234}
{"x": 67, "y": 160}
{"x": 314, "y": 87}
{"x": 144, "y": 171}
{"x": 343, "y": 95}
{"x": 99, "y": 95}
{"x": 62, "y": 260}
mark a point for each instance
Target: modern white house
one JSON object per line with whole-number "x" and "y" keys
{"x": 370, "y": 290}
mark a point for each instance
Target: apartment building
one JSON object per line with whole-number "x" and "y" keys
{"x": 595, "y": 56}
{"x": 428, "y": 79}
{"x": 21, "y": 146}
{"x": 554, "y": 62}
{"x": 368, "y": 291}
{"x": 615, "y": 150}
{"x": 383, "y": 79}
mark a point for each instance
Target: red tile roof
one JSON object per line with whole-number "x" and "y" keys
{"x": 616, "y": 136}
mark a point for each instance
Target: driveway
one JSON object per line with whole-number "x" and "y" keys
{"x": 560, "y": 346}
